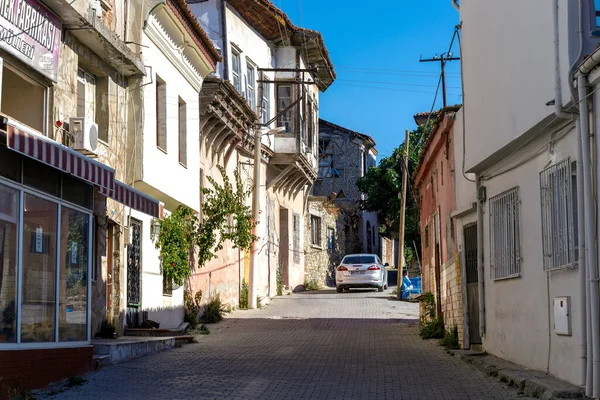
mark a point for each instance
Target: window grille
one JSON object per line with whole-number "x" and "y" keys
{"x": 559, "y": 241}
{"x": 296, "y": 243}
{"x": 505, "y": 254}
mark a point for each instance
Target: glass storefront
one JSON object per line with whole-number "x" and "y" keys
{"x": 45, "y": 254}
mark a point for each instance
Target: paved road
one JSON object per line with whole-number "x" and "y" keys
{"x": 312, "y": 345}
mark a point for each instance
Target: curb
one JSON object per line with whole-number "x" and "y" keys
{"x": 532, "y": 383}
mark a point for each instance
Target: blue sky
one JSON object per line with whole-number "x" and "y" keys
{"x": 381, "y": 42}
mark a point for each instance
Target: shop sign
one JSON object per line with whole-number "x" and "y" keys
{"x": 31, "y": 32}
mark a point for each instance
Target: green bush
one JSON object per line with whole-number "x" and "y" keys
{"x": 450, "y": 339}
{"x": 279, "y": 277}
{"x": 192, "y": 307}
{"x": 433, "y": 329}
{"x": 214, "y": 310}
{"x": 312, "y": 285}
{"x": 244, "y": 296}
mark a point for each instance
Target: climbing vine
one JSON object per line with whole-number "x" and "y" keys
{"x": 225, "y": 216}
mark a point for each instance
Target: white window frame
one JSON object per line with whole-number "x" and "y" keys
{"x": 87, "y": 80}
{"x": 251, "y": 84}
{"x": 236, "y": 70}
{"x": 266, "y": 101}
{"x": 559, "y": 229}
{"x": 285, "y": 119}
{"x": 505, "y": 235}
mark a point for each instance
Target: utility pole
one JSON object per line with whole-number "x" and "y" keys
{"x": 256, "y": 198}
{"x": 402, "y": 215}
{"x": 442, "y": 60}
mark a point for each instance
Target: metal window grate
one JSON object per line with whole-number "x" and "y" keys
{"x": 558, "y": 230}
{"x": 505, "y": 253}
{"x": 296, "y": 243}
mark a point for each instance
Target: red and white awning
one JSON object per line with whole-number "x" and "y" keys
{"x": 26, "y": 141}
{"x": 135, "y": 199}
{"x": 30, "y": 143}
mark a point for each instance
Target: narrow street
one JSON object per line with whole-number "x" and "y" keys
{"x": 311, "y": 345}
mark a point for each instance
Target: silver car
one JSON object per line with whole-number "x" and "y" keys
{"x": 361, "y": 271}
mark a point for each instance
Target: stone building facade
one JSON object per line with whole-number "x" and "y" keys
{"x": 344, "y": 157}
{"x": 325, "y": 236}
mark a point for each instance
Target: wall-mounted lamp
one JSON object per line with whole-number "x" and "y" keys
{"x": 155, "y": 228}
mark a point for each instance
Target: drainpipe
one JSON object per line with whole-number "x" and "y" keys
{"x": 591, "y": 250}
{"x": 225, "y": 46}
{"x": 581, "y": 263}
{"x": 480, "y": 259}
{"x": 586, "y": 324}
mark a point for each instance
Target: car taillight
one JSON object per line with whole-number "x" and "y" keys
{"x": 374, "y": 268}
{"x": 342, "y": 268}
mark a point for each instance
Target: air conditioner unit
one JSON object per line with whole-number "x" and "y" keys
{"x": 85, "y": 134}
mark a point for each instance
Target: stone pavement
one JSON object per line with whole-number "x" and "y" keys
{"x": 312, "y": 345}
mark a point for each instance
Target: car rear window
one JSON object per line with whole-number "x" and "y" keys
{"x": 358, "y": 260}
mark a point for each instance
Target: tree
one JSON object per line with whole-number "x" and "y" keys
{"x": 382, "y": 184}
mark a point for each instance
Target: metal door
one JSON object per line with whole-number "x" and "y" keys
{"x": 134, "y": 264}
{"x": 470, "y": 248}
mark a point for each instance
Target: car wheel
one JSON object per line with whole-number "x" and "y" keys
{"x": 339, "y": 289}
{"x": 380, "y": 288}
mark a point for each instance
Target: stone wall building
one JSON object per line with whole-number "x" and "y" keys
{"x": 325, "y": 235}
{"x": 344, "y": 157}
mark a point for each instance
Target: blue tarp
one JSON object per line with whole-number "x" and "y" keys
{"x": 410, "y": 286}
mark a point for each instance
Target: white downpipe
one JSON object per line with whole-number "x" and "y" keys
{"x": 591, "y": 248}
{"x": 581, "y": 262}
{"x": 557, "y": 83}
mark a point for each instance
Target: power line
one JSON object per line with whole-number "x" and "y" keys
{"x": 384, "y": 88}
{"x": 393, "y": 83}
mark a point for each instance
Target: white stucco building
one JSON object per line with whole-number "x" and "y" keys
{"x": 268, "y": 76}
{"x": 167, "y": 160}
{"x": 521, "y": 144}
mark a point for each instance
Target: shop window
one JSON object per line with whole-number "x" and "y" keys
{"x": 77, "y": 191}
{"x": 9, "y": 212}
{"x": 38, "y": 306}
{"x": 23, "y": 99}
{"x": 74, "y": 253}
{"x": 53, "y": 264}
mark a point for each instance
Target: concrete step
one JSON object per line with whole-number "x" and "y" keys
{"x": 101, "y": 360}
{"x": 160, "y": 332}
{"x": 184, "y": 339}
{"x": 127, "y": 347}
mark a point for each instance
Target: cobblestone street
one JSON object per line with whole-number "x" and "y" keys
{"x": 312, "y": 345}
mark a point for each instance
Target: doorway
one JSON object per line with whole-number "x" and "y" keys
{"x": 470, "y": 249}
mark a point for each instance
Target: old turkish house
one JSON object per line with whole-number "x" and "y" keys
{"x": 49, "y": 198}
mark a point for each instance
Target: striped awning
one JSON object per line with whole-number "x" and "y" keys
{"x": 135, "y": 199}
{"x": 30, "y": 143}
